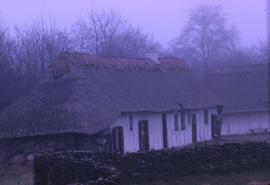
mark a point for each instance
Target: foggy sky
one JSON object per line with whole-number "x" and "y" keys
{"x": 165, "y": 18}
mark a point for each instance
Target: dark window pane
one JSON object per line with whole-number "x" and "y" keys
{"x": 130, "y": 122}
{"x": 219, "y": 109}
{"x": 206, "y": 116}
{"x": 176, "y": 126}
{"x": 189, "y": 116}
{"x": 183, "y": 123}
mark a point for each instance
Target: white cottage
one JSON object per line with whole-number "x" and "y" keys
{"x": 123, "y": 105}
{"x": 244, "y": 90}
{"x": 175, "y": 109}
{"x": 143, "y": 131}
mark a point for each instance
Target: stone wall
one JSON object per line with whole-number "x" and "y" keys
{"x": 65, "y": 168}
{"x": 21, "y": 151}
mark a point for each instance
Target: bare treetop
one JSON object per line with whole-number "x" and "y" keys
{"x": 107, "y": 34}
{"x": 207, "y": 35}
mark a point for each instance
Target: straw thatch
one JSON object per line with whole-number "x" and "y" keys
{"x": 86, "y": 94}
{"x": 242, "y": 88}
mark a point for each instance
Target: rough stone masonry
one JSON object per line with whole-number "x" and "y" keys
{"x": 104, "y": 168}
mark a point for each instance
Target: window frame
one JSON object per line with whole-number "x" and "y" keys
{"x": 205, "y": 116}
{"x": 183, "y": 120}
{"x": 176, "y": 121}
{"x": 189, "y": 116}
{"x": 219, "y": 109}
{"x": 130, "y": 117}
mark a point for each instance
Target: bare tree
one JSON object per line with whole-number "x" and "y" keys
{"x": 36, "y": 47}
{"x": 262, "y": 51}
{"x": 7, "y": 68}
{"x": 257, "y": 53}
{"x": 107, "y": 34}
{"x": 135, "y": 43}
{"x": 26, "y": 56}
{"x": 5, "y": 45}
{"x": 206, "y": 36}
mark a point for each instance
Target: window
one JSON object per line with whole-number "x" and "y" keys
{"x": 189, "y": 116}
{"x": 206, "y": 116}
{"x": 130, "y": 122}
{"x": 176, "y": 126}
{"x": 183, "y": 123}
{"x": 219, "y": 109}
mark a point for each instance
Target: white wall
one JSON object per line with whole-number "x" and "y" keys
{"x": 178, "y": 137}
{"x": 241, "y": 123}
{"x": 175, "y": 138}
{"x": 131, "y": 137}
{"x": 184, "y": 137}
{"x": 204, "y": 131}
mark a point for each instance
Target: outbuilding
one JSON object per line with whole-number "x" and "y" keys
{"x": 244, "y": 90}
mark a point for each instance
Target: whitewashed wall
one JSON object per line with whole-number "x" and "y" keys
{"x": 241, "y": 123}
{"x": 184, "y": 137}
{"x": 178, "y": 137}
{"x": 131, "y": 137}
{"x": 175, "y": 138}
{"x": 204, "y": 131}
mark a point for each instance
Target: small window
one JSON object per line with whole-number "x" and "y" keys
{"x": 130, "y": 122}
{"x": 183, "y": 123}
{"x": 189, "y": 116}
{"x": 219, "y": 109}
{"x": 176, "y": 126}
{"x": 206, "y": 116}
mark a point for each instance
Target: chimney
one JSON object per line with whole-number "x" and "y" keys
{"x": 153, "y": 57}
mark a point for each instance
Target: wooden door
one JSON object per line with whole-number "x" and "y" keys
{"x": 164, "y": 131}
{"x": 216, "y": 126}
{"x": 108, "y": 147}
{"x": 143, "y": 135}
{"x": 118, "y": 139}
{"x": 194, "y": 128}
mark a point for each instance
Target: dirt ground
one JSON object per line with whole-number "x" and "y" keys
{"x": 247, "y": 138}
{"x": 244, "y": 178}
{"x": 23, "y": 176}
{"x": 16, "y": 175}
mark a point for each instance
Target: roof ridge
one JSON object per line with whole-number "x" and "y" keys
{"x": 67, "y": 62}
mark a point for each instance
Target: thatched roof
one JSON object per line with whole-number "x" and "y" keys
{"x": 86, "y": 94}
{"x": 243, "y": 88}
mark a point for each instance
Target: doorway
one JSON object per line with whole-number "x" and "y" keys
{"x": 118, "y": 139}
{"x": 164, "y": 131}
{"x": 194, "y": 128}
{"x": 143, "y": 135}
{"x": 216, "y": 126}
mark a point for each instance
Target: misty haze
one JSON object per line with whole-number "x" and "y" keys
{"x": 99, "y": 92}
